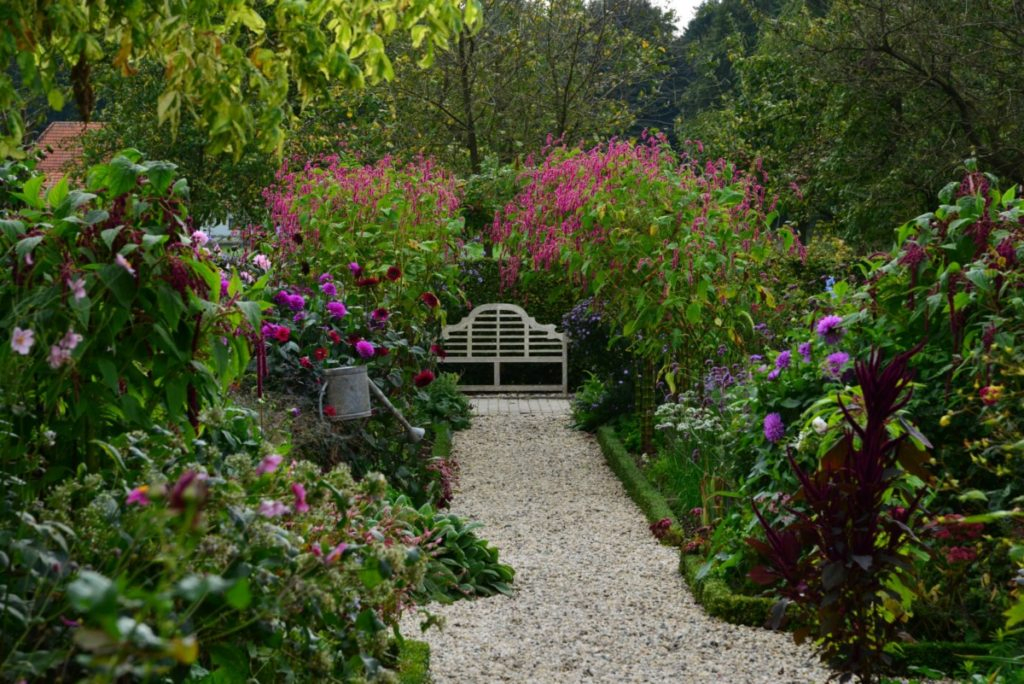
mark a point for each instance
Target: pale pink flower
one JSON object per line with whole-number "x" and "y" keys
{"x": 262, "y": 261}
{"x": 124, "y": 263}
{"x": 272, "y": 509}
{"x": 71, "y": 340}
{"x": 336, "y": 552}
{"x": 269, "y": 464}
{"x": 77, "y": 287}
{"x": 22, "y": 341}
{"x": 58, "y": 356}
{"x": 200, "y": 237}
{"x": 300, "y": 498}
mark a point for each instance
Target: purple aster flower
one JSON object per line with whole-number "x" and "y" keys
{"x": 336, "y": 309}
{"x": 329, "y": 289}
{"x": 830, "y": 329}
{"x": 805, "y": 351}
{"x": 835, "y": 362}
{"x": 774, "y": 374}
{"x": 774, "y": 429}
{"x": 783, "y": 359}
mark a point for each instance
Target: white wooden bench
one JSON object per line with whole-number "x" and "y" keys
{"x": 505, "y": 333}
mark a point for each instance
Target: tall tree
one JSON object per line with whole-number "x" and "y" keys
{"x": 231, "y": 64}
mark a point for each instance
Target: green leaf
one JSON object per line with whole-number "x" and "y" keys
{"x": 57, "y": 193}
{"x": 239, "y": 596}
{"x": 27, "y": 245}
{"x": 160, "y": 175}
{"x": 693, "y": 312}
{"x": 167, "y": 105}
{"x": 1015, "y": 615}
{"x": 122, "y": 175}
{"x": 92, "y": 591}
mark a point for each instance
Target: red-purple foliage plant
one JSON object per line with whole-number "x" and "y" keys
{"x": 851, "y": 531}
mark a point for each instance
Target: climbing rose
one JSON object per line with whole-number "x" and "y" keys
{"x": 430, "y": 299}
{"x": 364, "y": 349}
{"x": 830, "y": 329}
{"x": 423, "y": 378}
{"x": 22, "y": 340}
{"x": 774, "y": 429}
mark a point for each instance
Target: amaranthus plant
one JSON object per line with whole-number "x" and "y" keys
{"x": 848, "y": 545}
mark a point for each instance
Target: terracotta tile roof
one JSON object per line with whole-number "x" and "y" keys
{"x": 61, "y": 143}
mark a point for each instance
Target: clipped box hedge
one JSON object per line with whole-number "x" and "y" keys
{"x": 414, "y": 662}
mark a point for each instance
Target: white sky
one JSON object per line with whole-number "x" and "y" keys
{"x": 684, "y": 9}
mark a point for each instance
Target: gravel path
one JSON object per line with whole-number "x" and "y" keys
{"x": 597, "y": 598}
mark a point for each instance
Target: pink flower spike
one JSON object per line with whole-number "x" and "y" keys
{"x": 272, "y": 509}
{"x": 269, "y": 464}
{"x": 124, "y": 263}
{"x": 22, "y": 341}
{"x": 300, "y": 498}
{"x": 336, "y": 552}
{"x": 137, "y": 497}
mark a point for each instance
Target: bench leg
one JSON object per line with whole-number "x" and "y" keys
{"x": 497, "y": 374}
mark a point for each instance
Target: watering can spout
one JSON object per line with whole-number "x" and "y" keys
{"x": 415, "y": 434}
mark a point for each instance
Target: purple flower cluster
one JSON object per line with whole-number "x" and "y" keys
{"x": 830, "y": 329}
{"x": 774, "y": 428}
{"x": 294, "y": 302}
{"x": 835, "y": 362}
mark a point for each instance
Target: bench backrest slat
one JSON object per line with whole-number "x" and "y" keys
{"x": 497, "y": 333}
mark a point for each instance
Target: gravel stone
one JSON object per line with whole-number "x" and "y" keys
{"x": 597, "y": 599}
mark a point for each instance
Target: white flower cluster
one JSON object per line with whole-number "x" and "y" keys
{"x": 687, "y": 417}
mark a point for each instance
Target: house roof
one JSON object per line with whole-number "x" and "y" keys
{"x": 61, "y": 145}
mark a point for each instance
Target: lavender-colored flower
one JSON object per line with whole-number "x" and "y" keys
{"x": 774, "y": 428}
{"x": 835, "y": 362}
{"x": 296, "y": 302}
{"x": 783, "y": 359}
{"x": 77, "y": 287}
{"x": 262, "y": 261}
{"x": 200, "y": 237}
{"x": 830, "y": 329}
{"x": 805, "y": 351}
{"x": 754, "y": 358}
{"x": 774, "y": 374}
{"x": 325, "y": 278}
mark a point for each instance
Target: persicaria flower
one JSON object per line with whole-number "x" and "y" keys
{"x": 329, "y": 289}
{"x": 430, "y": 299}
{"x": 834, "y": 363}
{"x": 22, "y": 340}
{"x": 320, "y": 353}
{"x": 124, "y": 263}
{"x": 137, "y": 497}
{"x": 77, "y": 287}
{"x": 805, "y": 351}
{"x": 774, "y": 428}
{"x": 269, "y": 464}
{"x": 272, "y": 509}
{"x": 364, "y": 349}
{"x": 300, "y": 498}
{"x": 393, "y": 273}
{"x": 830, "y": 329}
{"x": 336, "y": 309}
{"x": 423, "y": 378}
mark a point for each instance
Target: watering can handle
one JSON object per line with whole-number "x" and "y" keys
{"x": 415, "y": 434}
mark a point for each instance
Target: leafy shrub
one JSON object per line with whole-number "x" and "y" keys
{"x": 114, "y": 316}
{"x": 442, "y": 401}
{"x": 598, "y": 401}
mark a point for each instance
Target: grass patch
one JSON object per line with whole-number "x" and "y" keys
{"x": 414, "y": 662}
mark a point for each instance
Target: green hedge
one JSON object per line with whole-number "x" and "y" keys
{"x": 414, "y": 662}
{"x": 646, "y": 496}
{"x": 719, "y": 600}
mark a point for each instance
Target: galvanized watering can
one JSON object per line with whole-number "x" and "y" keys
{"x": 348, "y": 390}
